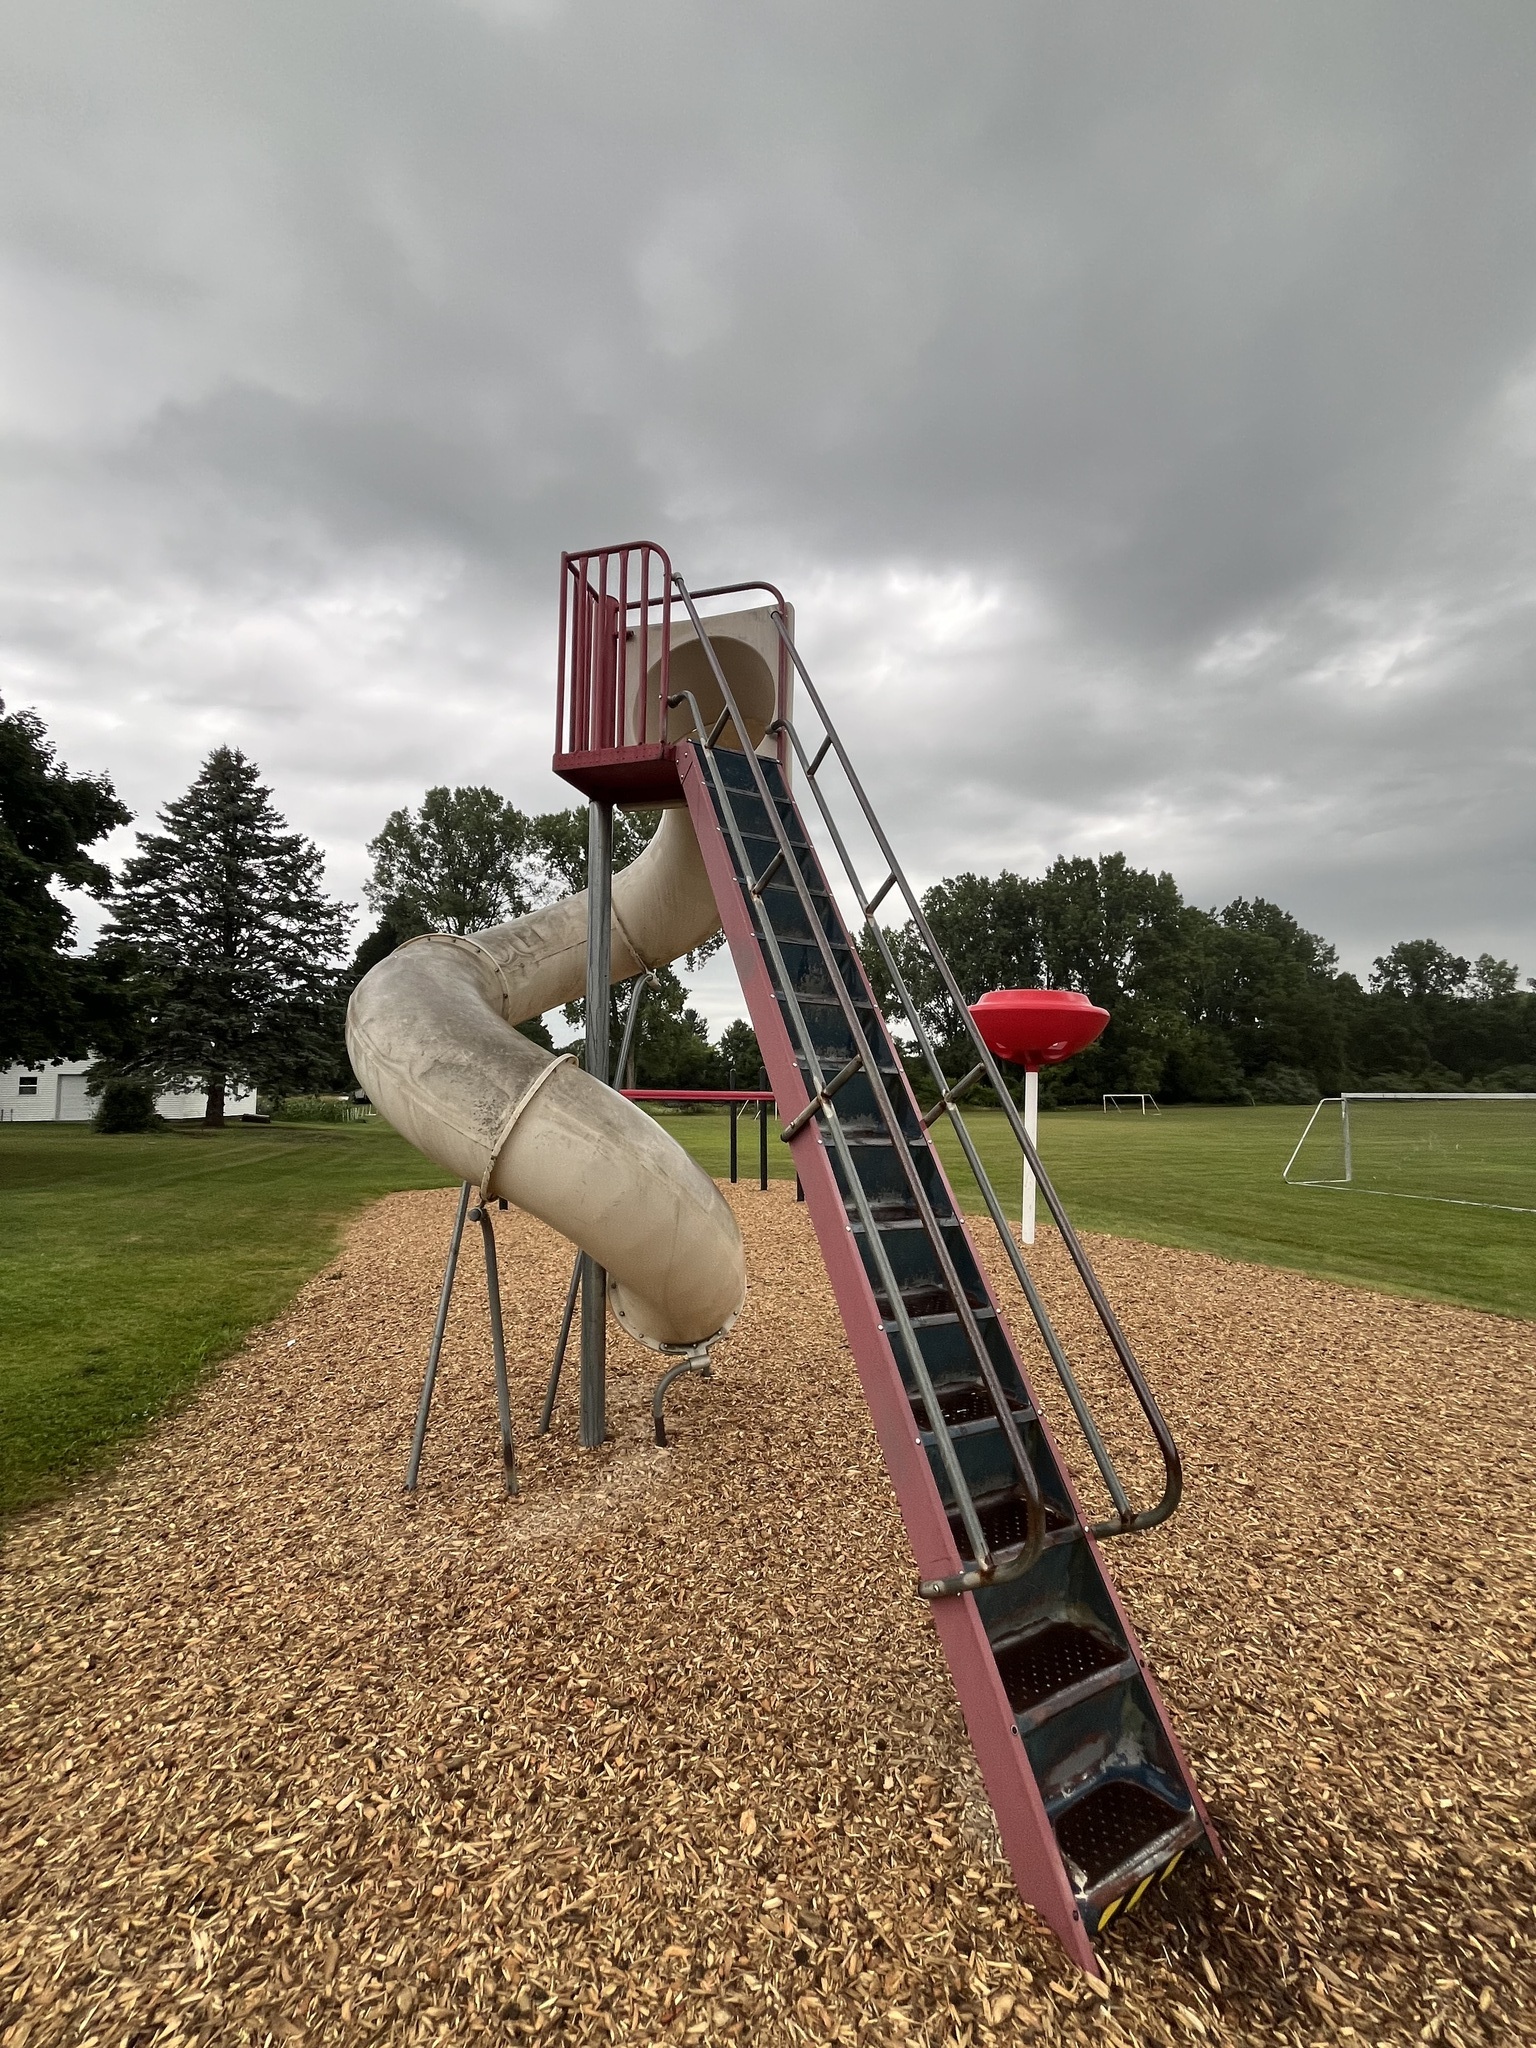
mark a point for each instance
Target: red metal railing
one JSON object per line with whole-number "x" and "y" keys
{"x": 610, "y": 711}
{"x": 609, "y": 599}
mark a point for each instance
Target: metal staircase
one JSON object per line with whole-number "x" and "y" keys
{"x": 1093, "y": 1797}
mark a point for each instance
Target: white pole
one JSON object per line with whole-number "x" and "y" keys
{"x": 1032, "y": 1127}
{"x": 1348, "y": 1161}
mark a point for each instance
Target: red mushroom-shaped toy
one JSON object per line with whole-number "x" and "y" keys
{"x": 1035, "y": 1028}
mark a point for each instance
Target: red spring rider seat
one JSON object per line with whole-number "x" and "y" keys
{"x": 1035, "y": 1028}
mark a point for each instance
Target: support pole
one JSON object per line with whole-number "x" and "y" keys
{"x": 551, "y": 1392}
{"x": 735, "y": 1107}
{"x": 481, "y": 1214}
{"x": 1032, "y": 1127}
{"x": 594, "y": 1281}
{"x": 1349, "y": 1162}
{"x": 641, "y": 990}
{"x": 424, "y": 1407}
{"x": 696, "y": 1361}
{"x": 762, "y": 1146}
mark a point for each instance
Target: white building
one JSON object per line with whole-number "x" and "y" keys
{"x": 54, "y": 1093}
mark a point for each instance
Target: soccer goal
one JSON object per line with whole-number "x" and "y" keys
{"x": 1476, "y": 1151}
{"x": 1114, "y": 1102}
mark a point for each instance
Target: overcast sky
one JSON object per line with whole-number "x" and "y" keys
{"x": 1138, "y": 402}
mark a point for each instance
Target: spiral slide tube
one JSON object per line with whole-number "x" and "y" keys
{"x": 431, "y": 1034}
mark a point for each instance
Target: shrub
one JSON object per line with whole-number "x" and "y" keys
{"x": 1284, "y": 1084}
{"x": 126, "y": 1104}
{"x": 320, "y": 1109}
{"x": 1509, "y": 1081}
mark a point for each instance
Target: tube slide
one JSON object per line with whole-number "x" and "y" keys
{"x": 430, "y": 1032}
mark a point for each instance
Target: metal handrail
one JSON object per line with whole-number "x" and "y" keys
{"x": 948, "y": 1105}
{"x": 780, "y": 691}
{"x": 1127, "y": 1519}
{"x": 1015, "y": 1560}
{"x": 988, "y": 1569}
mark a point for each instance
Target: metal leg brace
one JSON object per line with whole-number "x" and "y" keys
{"x": 551, "y": 1392}
{"x": 424, "y": 1407}
{"x": 480, "y": 1214}
{"x": 696, "y": 1361}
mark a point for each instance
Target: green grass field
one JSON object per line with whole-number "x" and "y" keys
{"x": 1210, "y": 1179}
{"x": 130, "y": 1264}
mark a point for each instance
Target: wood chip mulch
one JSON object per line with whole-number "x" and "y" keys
{"x": 665, "y": 1750}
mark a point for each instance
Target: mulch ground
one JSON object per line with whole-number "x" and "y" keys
{"x": 665, "y": 1750}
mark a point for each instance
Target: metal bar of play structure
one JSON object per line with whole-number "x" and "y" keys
{"x": 594, "y": 1281}
{"x": 642, "y": 988}
{"x": 424, "y": 1406}
{"x": 985, "y": 1568}
{"x": 480, "y": 1214}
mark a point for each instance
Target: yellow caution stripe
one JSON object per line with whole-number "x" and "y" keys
{"x": 1129, "y": 1899}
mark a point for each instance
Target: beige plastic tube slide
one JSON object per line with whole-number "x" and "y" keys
{"x": 430, "y": 1032}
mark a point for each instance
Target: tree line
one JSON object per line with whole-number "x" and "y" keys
{"x": 225, "y": 963}
{"x": 1231, "y": 1005}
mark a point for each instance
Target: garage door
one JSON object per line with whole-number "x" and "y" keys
{"x": 75, "y": 1106}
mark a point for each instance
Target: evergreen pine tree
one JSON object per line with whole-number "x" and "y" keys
{"x": 232, "y": 939}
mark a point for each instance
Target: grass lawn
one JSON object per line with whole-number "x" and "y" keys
{"x": 129, "y": 1264}
{"x": 1210, "y": 1179}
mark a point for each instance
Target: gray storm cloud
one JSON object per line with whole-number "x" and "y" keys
{"x": 1139, "y": 403}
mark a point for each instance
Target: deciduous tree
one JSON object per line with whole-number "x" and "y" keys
{"x": 51, "y": 1003}
{"x": 458, "y": 864}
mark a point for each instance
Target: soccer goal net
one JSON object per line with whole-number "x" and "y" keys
{"x": 1141, "y": 1102}
{"x": 1474, "y": 1150}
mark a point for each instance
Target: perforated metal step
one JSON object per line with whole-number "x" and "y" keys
{"x": 1110, "y": 1826}
{"x": 1051, "y": 1661}
{"x": 966, "y": 1401}
{"x": 1005, "y": 1522}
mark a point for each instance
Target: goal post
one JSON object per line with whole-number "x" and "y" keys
{"x": 1469, "y": 1149}
{"x": 1145, "y": 1102}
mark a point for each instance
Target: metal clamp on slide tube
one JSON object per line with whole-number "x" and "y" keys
{"x": 990, "y": 1569}
{"x": 1168, "y": 1449}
